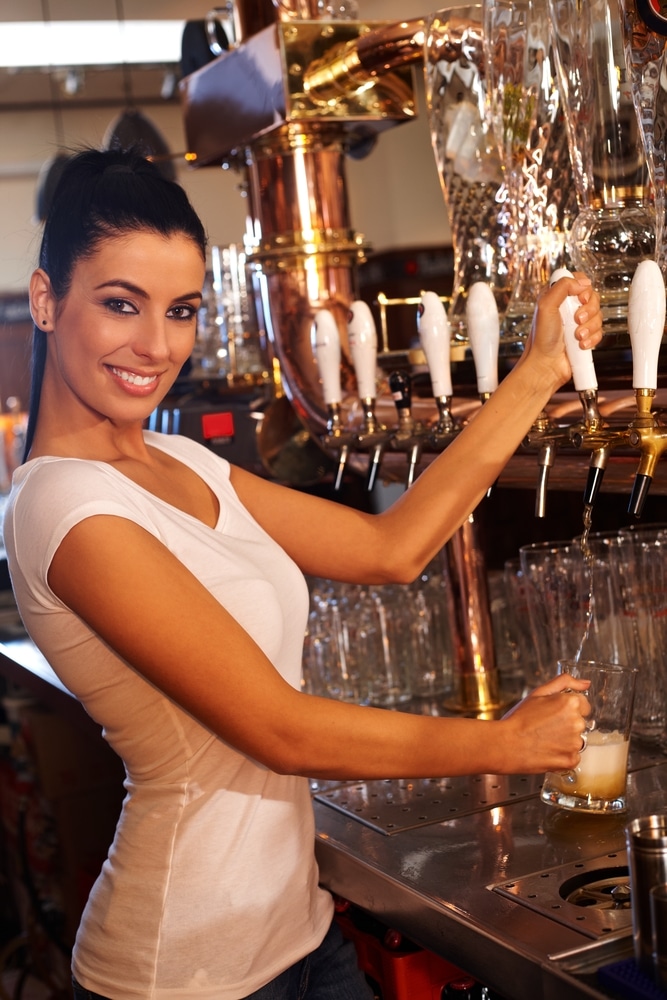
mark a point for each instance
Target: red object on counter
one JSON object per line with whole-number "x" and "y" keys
{"x": 403, "y": 972}
{"x": 217, "y": 425}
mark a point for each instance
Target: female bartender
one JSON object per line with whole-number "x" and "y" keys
{"x": 166, "y": 589}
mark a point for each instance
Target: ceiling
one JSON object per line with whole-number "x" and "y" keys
{"x": 35, "y": 89}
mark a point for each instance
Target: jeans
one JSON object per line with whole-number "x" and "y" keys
{"x": 329, "y": 973}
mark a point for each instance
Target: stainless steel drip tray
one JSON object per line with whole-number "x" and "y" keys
{"x": 592, "y": 897}
{"x": 392, "y": 806}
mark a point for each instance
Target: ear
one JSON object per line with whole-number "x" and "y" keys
{"x": 42, "y": 301}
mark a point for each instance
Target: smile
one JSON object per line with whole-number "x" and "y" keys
{"x": 134, "y": 379}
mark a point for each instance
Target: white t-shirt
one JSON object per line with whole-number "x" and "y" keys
{"x": 210, "y": 889}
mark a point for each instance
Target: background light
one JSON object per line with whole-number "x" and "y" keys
{"x": 30, "y": 44}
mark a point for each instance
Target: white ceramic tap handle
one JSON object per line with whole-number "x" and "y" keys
{"x": 436, "y": 335}
{"x": 581, "y": 361}
{"x": 483, "y": 325}
{"x": 327, "y": 352}
{"x": 646, "y": 323}
{"x": 363, "y": 347}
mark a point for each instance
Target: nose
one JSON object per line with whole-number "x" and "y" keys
{"x": 151, "y": 339}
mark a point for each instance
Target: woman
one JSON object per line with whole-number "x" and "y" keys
{"x": 166, "y": 589}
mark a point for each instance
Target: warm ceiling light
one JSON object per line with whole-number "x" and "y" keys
{"x": 31, "y": 44}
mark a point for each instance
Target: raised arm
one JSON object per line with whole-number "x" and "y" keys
{"x": 333, "y": 541}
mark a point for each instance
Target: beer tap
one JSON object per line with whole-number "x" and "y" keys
{"x": 646, "y": 324}
{"x": 483, "y": 325}
{"x": 591, "y": 432}
{"x": 362, "y": 336}
{"x": 435, "y": 335}
{"x": 327, "y": 353}
{"x": 409, "y": 435}
{"x": 544, "y": 432}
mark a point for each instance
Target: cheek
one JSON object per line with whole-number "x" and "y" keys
{"x": 182, "y": 346}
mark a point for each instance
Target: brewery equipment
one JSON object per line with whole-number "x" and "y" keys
{"x": 292, "y": 98}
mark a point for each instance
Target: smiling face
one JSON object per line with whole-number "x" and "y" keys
{"x": 118, "y": 339}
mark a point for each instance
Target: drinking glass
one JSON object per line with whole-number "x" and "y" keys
{"x": 230, "y": 342}
{"x": 511, "y": 627}
{"x": 598, "y": 783}
{"x": 467, "y": 159}
{"x": 638, "y": 573}
{"x": 338, "y": 645}
{"x": 430, "y": 623}
{"x": 557, "y": 605}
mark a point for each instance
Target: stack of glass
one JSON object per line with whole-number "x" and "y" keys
{"x": 379, "y": 645}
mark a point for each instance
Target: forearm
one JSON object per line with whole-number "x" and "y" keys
{"x": 322, "y": 738}
{"x": 449, "y": 489}
{"x": 336, "y": 740}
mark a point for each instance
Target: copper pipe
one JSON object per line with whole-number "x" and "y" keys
{"x": 351, "y": 65}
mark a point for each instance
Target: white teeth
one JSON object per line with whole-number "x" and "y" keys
{"x": 134, "y": 379}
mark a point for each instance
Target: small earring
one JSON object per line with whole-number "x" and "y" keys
{"x": 44, "y": 322}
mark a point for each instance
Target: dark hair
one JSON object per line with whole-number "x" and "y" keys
{"x": 102, "y": 194}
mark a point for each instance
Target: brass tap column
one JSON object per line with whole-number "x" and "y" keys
{"x": 286, "y": 105}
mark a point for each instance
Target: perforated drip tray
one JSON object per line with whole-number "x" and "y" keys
{"x": 392, "y": 806}
{"x": 592, "y": 897}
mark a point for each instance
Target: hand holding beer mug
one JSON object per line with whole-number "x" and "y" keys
{"x": 598, "y": 782}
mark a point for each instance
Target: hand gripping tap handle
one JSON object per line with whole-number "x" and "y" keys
{"x": 327, "y": 354}
{"x": 362, "y": 337}
{"x": 646, "y": 325}
{"x": 581, "y": 362}
{"x": 483, "y": 324}
{"x": 583, "y": 376}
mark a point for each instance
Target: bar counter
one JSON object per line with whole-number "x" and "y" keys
{"x": 527, "y": 898}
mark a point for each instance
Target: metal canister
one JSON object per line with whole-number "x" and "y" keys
{"x": 646, "y": 839}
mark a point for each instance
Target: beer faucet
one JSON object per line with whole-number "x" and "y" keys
{"x": 592, "y": 431}
{"x": 483, "y": 325}
{"x": 409, "y": 435}
{"x": 362, "y": 335}
{"x": 646, "y": 324}
{"x": 327, "y": 353}
{"x": 435, "y": 336}
{"x": 547, "y": 434}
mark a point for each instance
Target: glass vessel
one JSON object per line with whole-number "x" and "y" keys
{"x": 645, "y": 59}
{"x": 524, "y": 103}
{"x": 615, "y": 227}
{"x": 467, "y": 159}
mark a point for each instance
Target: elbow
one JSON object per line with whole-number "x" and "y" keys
{"x": 399, "y": 567}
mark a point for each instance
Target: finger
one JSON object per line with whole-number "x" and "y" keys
{"x": 561, "y": 683}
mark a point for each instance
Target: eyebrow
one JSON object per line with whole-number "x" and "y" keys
{"x": 136, "y": 290}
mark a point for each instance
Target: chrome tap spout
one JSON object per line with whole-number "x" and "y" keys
{"x": 410, "y": 435}
{"x": 546, "y": 436}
